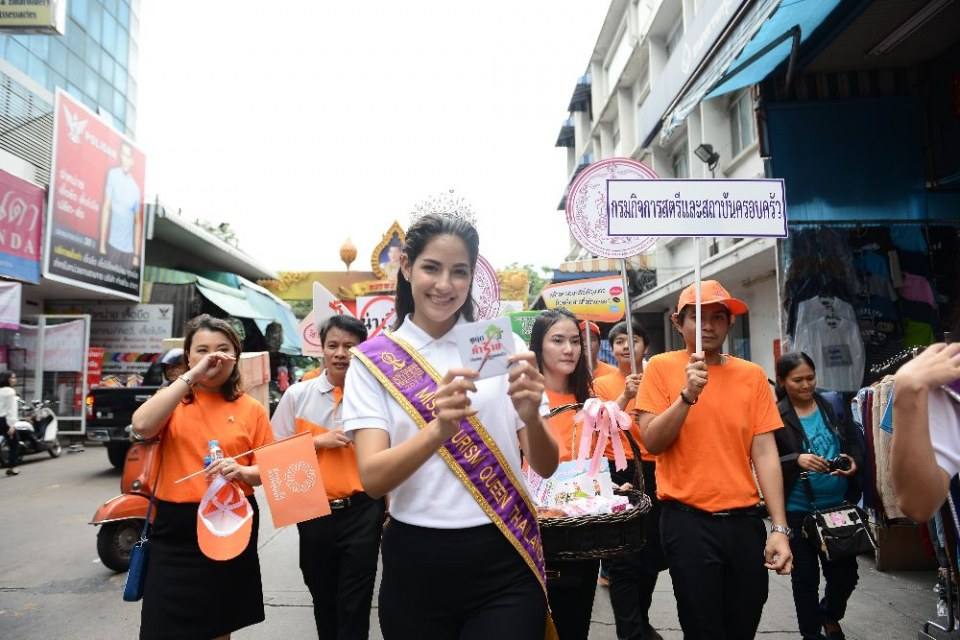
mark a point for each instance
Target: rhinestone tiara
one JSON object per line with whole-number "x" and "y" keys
{"x": 446, "y": 203}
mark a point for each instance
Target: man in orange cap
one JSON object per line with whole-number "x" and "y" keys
{"x": 707, "y": 416}
{"x": 597, "y": 366}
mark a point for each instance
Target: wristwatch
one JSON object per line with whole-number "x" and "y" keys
{"x": 687, "y": 400}
{"x": 779, "y": 528}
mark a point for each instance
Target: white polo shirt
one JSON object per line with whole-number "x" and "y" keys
{"x": 311, "y": 399}
{"x": 943, "y": 414}
{"x": 433, "y": 496}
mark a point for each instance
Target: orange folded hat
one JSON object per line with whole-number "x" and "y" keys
{"x": 594, "y": 329}
{"x": 712, "y": 292}
{"x": 224, "y": 520}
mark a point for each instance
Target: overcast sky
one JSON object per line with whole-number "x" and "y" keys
{"x": 310, "y": 122}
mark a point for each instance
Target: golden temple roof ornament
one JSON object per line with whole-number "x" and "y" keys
{"x": 348, "y": 253}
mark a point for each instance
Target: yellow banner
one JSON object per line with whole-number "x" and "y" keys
{"x": 597, "y": 299}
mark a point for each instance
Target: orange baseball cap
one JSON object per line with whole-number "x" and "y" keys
{"x": 594, "y": 329}
{"x": 224, "y": 520}
{"x": 712, "y": 292}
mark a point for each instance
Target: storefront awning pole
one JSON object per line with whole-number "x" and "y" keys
{"x": 696, "y": 286}
{"x": 628, "y": 314}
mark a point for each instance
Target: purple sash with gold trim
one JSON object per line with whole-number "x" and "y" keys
{"x": 471, "y": 453}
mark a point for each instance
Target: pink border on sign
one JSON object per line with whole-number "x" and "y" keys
{"x": 486, "y": 290}
{"x": 587, "y": 208}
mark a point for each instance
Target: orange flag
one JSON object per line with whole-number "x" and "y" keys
{"x": 292, "y": 481}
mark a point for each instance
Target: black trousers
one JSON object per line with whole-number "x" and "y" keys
{"x": 571, "y": 586}
{"x": 840, "y": 577}
{"x": 338, "y": 559}
{"x": 457, "y": 584}
{"x": 716, "y": 563}
{"x": 634, "y": 577}
{"x": 13, "y": 447}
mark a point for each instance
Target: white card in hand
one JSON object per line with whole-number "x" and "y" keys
{"x": 485, "y": 346}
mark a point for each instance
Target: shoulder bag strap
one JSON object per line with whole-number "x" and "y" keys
{"x": 153, "y": 495}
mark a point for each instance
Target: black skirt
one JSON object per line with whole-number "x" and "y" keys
{"x": 186, "y": 594}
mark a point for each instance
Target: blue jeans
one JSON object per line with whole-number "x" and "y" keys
{"x": 840, "y": 575}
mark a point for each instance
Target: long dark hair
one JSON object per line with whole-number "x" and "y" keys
{"x": 417, "y": 237}
{"x": 5, "y": 378}
{"x": 787, "y": 363}
{"x": 579, "y": 381}
{"x": 233, "y": 387}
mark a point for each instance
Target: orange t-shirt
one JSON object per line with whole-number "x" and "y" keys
{"x": 610, "y": 387}
{"x": 708, "y": 466}
{"x": 603, "y": 369}
{"x": 562, "y": 427}
{"x": 239, "y": 426}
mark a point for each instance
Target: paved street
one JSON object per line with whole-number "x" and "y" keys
{"x": 53, "y": 586}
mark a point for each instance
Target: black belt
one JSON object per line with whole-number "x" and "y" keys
{"x": 355, "y": 500}
{"x": 756, "y": 511}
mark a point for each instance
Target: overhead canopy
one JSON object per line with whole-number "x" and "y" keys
{"x": 276, "y": 310}
{"x": 771, "y": 44}
{"x": 233, "y": 301}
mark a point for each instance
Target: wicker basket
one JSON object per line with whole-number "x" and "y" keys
{"x": 600, "y": 536}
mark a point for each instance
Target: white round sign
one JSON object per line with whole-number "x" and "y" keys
{"x": 486, "y": 291}
{"x": 587, "y": 208}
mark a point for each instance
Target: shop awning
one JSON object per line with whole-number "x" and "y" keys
{"x": 773, "y": 42}
{"x": 763, "y": 39}
{"x": 275, "y": 310}
{"x": 232, "y": 301}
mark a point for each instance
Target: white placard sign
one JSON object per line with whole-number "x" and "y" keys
{"x": 587, "y": 208}
{"x": 710, "y": 208}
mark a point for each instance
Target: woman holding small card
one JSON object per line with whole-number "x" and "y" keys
{"x": 555, "y": 339}
{"x": 461, "y": 554}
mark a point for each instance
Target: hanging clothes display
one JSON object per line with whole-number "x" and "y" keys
{"x": 827, "y": 330}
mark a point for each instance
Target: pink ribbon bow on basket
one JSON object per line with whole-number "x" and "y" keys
{"x": 607, "y": 419}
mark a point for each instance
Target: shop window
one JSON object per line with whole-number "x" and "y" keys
{"x": 743, "y": 130}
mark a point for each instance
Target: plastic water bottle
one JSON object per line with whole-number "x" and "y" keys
{"x": 216, "y": 453}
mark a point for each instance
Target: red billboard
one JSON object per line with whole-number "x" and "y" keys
{"x": 21, "y": 226}
{"x": 95, "y": 234}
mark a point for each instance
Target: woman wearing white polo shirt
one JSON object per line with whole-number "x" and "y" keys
{"x": 448, "y": 571}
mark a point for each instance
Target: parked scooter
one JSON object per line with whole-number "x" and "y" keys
{"x": 121, "y": 518}
{"x": 38, "y": 432}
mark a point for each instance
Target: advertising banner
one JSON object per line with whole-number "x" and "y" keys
{"x": 10, "y": 305}
{"x": 63, "y": 346}
{"x": 130, "y": 335}
{"x": 21, "y": 228}
{"x": 737, "y": 208}
{"x": 94, "y": 238}
{"x": 597, "y": 299}
{"x": 33, "y": 16}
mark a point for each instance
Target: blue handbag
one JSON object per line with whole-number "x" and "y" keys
{"x": 137, "y": 571}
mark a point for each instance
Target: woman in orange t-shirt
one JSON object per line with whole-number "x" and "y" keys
{"x": 555, "y": 340}
{"x": 187, "y": 594}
